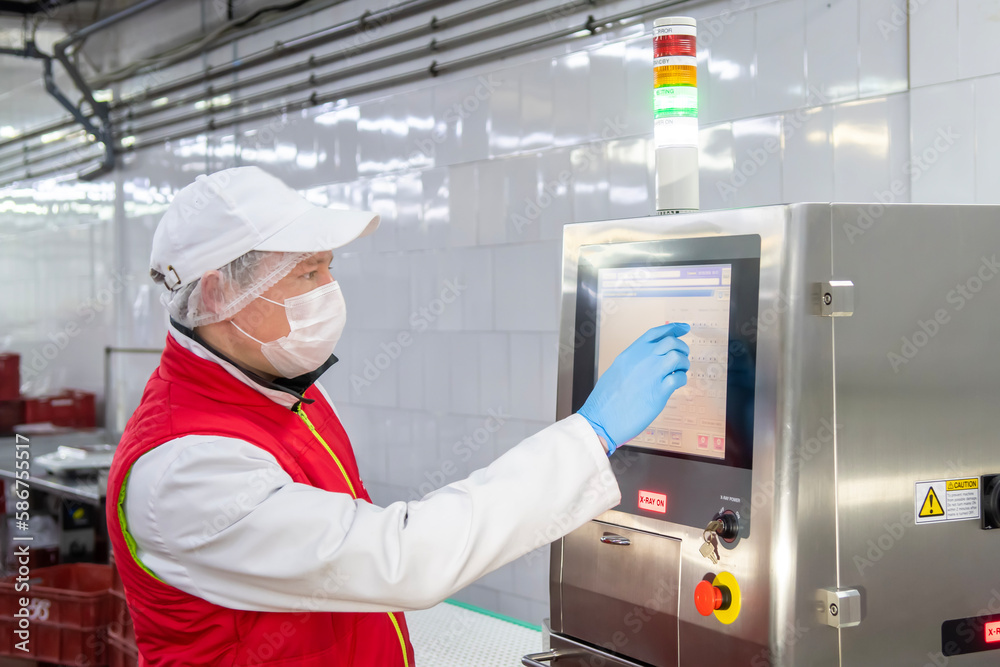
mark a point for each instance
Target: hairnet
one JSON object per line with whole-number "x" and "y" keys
{"x": 242, "y": 281}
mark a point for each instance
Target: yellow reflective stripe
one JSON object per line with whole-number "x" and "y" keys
{"x": 129, "y": 541}
{"x": 302, "y": 415}
{"x": 402, "y": 642}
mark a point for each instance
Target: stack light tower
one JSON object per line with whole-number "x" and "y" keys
{"x": 675, "y": 113}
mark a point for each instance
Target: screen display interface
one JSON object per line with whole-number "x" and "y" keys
{"x": 631, "y": 300}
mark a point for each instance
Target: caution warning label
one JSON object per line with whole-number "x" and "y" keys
{"x": 946, "y": 500}
{"x": 932, "y": 505}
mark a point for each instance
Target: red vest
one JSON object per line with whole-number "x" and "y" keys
{"x": 187, "y": 395}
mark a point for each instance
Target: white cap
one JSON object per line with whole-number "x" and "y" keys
{"x": 674, "y": 20}
{"x": 225, "y": 215}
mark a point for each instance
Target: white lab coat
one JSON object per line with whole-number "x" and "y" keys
{"x": 220, "y": 519}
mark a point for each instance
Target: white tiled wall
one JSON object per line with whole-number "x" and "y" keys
{"x": 800, "y": 100}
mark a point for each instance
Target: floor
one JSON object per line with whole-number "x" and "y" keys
{"x": 450, "y": 635}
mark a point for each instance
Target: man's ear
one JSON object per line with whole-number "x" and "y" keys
{"x": 212, "y": 297}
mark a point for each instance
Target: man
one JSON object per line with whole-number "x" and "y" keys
{"x": 241, "y": 528}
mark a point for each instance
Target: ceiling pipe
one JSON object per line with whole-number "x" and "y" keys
{"x": 591, "y": 25}
{"x": 433, "y": 47}
{"x": 349, "y": 28}
{"x": 104, "y": 132}
{"x": 434, "y": 25}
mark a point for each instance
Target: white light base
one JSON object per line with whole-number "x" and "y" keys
{"x": 677, "y": 178}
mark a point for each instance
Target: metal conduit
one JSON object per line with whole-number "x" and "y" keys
{"x": 314, "y": 81}
{"x": 313, "y": 63}
{"x": 339, "y": 31}
{"x": 408, "y": 77}
{"x": 342, "y": 30}
{"x": 25, "y": 154}
{"x": 104, "y": 131}
{"x": 591, "y": 25}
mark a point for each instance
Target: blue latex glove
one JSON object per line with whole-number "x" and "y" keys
{"x": 635, "y": 388}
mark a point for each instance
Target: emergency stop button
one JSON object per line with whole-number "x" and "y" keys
{"x": 708, "y": 598}
{"x": 719, "y": 596}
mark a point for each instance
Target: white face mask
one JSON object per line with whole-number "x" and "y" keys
{"x": 316, "y": 320}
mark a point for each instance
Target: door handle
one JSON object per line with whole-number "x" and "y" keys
{"x": 611, "y": 538}
{"x": 536, "y": 659}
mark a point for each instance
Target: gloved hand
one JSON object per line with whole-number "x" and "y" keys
{"x": 635, "y": 388}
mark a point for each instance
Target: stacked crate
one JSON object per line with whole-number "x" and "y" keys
{"x": 122, "y": 650}
{"x": 70, "y": 408}
{"x": 11, "y": 405}
{"x": 66, "y": 616}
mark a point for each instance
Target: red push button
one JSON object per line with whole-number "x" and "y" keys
{"x": 707, "y": 598}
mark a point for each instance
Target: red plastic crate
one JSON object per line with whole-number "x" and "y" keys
{"x": 122, "y": 653}
{"x": 62, "y": 409}
{"x": 116, "y": 580}
{"x": 75, "y": 594}
{"x": 86, "y": 410}
{"x": 10, "y": 376}
{"x": 11, "y": 414}
{"x": 120, "y": 625}
{"x": 68, "y": 608}
{"x": 37, "y": 410}
{"x": 57, "y": 644}
{"x": 70, "y": 407}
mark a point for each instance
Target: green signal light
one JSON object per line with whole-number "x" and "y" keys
{"x": 676, "y": 101}
{"x": 675, "y": 113}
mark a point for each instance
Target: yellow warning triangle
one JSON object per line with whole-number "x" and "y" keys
{"x": 931, "y": 506}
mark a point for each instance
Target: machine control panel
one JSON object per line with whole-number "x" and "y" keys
{"x": 694, "y": 421}
{"x": 694, "y": 463}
